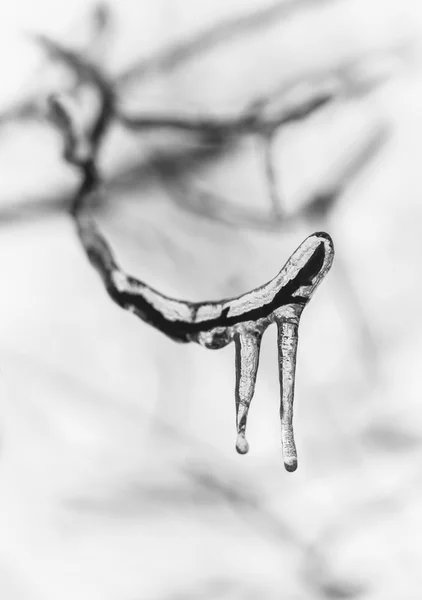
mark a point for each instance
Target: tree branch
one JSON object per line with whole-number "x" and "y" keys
{"x": 211, "y": 324}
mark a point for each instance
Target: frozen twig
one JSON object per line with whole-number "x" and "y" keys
{"x": 206, "y": 203}
{"x": 254, "y": 120}
{"x": 210, "y": 324}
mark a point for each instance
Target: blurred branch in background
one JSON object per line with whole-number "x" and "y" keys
{"x": 292, "y": 103}
{"x": 171, "y": 57}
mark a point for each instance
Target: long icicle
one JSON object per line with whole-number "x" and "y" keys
{"x": 287, "y": 348}
{"x": 247, "y": 359}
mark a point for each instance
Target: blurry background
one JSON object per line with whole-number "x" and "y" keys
{"x": 118, "y": 474}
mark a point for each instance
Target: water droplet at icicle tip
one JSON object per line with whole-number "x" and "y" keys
{"x": 290, "y": 463}
{"x": 242, "y": 445}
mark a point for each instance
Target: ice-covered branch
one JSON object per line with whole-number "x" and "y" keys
{"x": 211, "y": 324}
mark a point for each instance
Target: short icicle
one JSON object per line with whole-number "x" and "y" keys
{"x": 287, "y": 348}
{"x": 247, "y": 359}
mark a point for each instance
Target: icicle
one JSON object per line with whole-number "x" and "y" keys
{"x": 247, "y": 358}
{"x": 287, "y": 347}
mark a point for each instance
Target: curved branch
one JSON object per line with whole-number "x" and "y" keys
{"x": 211, "y": 324}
